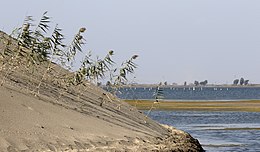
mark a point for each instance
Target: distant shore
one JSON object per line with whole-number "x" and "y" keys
{"x": 190, "y": 86}
{"x": 243, "y": 105}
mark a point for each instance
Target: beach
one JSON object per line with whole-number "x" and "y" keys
{"x": 40, "y": 113}
{"x": 41, "y": 123}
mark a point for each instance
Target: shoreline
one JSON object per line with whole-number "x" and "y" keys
{"x": 198, "y": 105}
{"x": 189, "y": 86}
{"x": 197, "y": 100}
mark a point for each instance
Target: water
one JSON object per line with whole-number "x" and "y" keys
{"x": 193, "y": 93}
{"x": 217, "y": 131}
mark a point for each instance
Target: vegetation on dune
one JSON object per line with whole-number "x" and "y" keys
{"x": 158, "y": 95}
{"x": 30, "y": 58}
{"x": 30, "y": 46}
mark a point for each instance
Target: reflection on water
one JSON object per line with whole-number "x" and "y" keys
{"x": 217, "y": 131}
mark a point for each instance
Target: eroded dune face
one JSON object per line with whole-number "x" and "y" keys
{"x": 58, "y": 118}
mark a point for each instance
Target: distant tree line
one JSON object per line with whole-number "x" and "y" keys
{"x": 242, "y": 81}
{"x": 203, "y": 83}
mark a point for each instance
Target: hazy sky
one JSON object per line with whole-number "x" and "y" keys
{"x": 177, "y": 40}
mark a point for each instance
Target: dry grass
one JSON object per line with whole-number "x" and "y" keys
{"x": 247, "y": 105}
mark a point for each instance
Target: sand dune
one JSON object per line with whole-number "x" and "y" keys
{"x": 76, "y": 119}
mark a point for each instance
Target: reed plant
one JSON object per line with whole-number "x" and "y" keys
{"x": 34, "y": 49}
{"x": 31, "y": 42}
{"x": 158, "y": 95}
{"x": 118, "y": 76}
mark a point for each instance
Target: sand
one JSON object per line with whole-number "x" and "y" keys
{"x": 75, "y": 118}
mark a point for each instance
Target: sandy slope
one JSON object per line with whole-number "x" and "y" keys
{"x": 27, "y": 123}
{"x": 81, "y": 119}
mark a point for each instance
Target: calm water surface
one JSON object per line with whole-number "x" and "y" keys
{"x": 217, "y": 131}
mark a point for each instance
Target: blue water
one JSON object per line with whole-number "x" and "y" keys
{"x": 216, "y": 131}
{"x": 210, "y": 128}
{"x": 193, "y": 93}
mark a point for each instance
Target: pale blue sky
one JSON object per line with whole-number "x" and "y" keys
{"x": 177, "y": 40}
